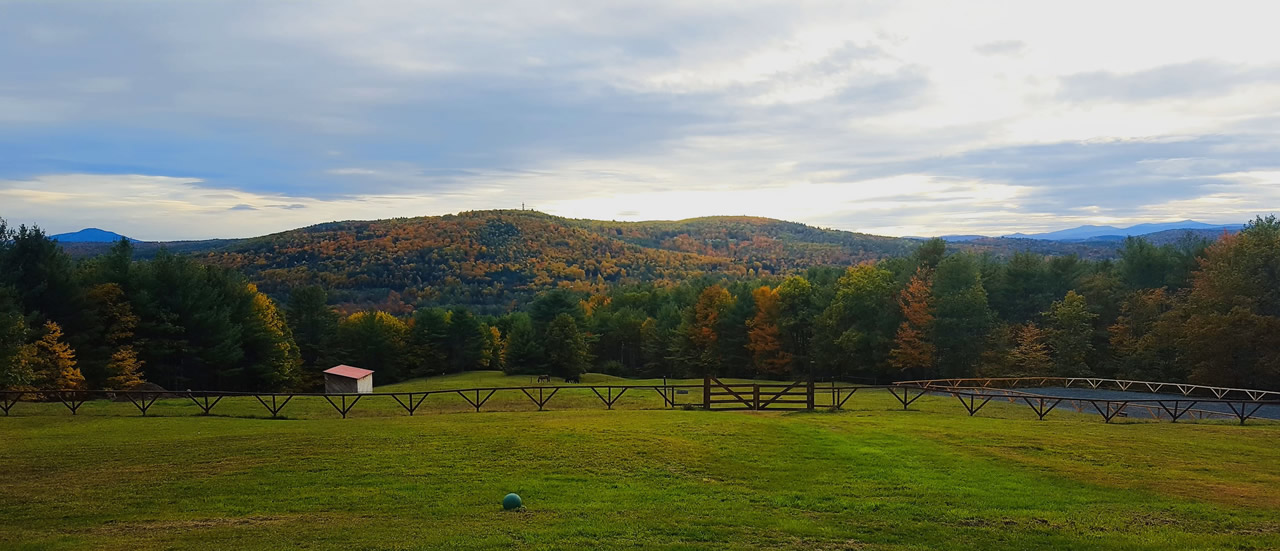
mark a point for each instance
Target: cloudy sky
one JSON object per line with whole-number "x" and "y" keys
{"x": 180, "y": 120}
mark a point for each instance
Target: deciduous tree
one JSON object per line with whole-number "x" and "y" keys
{"x": 764, "y": 337}
{"x": 1070, "y": 335}
{"x": 913, "y": 349}
{"x": 53, "y": 362}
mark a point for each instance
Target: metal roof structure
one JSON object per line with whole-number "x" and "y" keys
{"x": 348, "y": 372}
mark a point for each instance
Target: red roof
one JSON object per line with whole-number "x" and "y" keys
{"x": 348, "y": 372}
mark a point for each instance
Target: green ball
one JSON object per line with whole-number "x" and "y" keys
{"x": 512, "y": 501}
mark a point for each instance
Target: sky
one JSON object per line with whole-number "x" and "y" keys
{"x": 186, "y": 120}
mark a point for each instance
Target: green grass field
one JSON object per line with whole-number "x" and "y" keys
{"x": 869, "y": 477}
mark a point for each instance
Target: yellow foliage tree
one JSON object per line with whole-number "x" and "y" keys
{"x": 53, "y": 362}
{"x": 124, "y": 371}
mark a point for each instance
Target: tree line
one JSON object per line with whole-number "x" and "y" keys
{"x": 1197, "y": 311}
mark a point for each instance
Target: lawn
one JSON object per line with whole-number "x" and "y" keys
{"x": 870, "y": 477}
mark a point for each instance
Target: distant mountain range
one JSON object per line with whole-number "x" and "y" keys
{"x": 1163, "y": 231}
{"x": 90, "y": 235}
{"x": 1084, "y": 233}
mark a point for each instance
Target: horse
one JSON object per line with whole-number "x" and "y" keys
{"x": 544, "y": 378}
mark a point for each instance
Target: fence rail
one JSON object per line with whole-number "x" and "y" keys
{"x": 1242, "y": 403}
{"x": 973, "y": 395}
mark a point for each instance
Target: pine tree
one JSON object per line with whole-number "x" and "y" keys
{"x": 15, "y": 361}
{"x": 962, "y": 318}
{"x": 523, "y": 351}
{"x": 467, "y": 341}
{"x": 566, "y": 349}
{"x": 428, "y": 342}
{"x": 315, "y": 329}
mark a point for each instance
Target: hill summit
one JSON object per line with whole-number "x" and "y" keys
{"x": 90, "y": 235}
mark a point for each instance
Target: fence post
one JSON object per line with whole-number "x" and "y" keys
{"x": 706, "y": 392}
{"x": 810, "y": 393}
{"x": 756, "y": 395}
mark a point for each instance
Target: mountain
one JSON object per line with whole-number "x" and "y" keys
{"x": 1090, "y": 232}
{"x": 90, "y": 235}
{"x": 764, "y": 244}
{"x": 494, "y": 260}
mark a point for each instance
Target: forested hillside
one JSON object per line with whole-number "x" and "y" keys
{"x": 491, "y": 260}
{"x": 1188, "y": 311}
{"x": 496, "y": 261}
{"x": 764, "y": 245}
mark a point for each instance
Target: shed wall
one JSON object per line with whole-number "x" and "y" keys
{"x": 334, "y": 384}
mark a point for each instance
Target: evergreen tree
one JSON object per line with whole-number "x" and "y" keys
{"x": 566, "y": 350}
{"x": 467, "y": 341}
{"x": 315, "y": 329}
{"x": 40, "y": 274}
{"x": 962, "y": 317}
{"x": 523, "y": 348}
{"x": 929, "y": 254}
{"x": 15, "y": 365}
{"x": 109, "y": 324}
{"x": 429, "y": 342}
{"x": 549, "y": 305}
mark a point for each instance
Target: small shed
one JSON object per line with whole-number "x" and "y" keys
{"x": 344, "y": 379}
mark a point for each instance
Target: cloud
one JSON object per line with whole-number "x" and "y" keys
{"x": 329, "y": 110}
{"x": 164, "y": 208}
{"x": 1001, "y": 47}
{"x": 1190, "y": 80}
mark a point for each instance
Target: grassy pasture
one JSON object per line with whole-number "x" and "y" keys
{"x": 870, "y": 477}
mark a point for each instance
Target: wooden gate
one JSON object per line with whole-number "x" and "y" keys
{"x": 751, "y": 396}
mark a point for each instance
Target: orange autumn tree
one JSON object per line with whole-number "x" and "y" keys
{"x": 764, "y": 339}
{"x": 913, "y": 348}
{"x": 708, "y": 312}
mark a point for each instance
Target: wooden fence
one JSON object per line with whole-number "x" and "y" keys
{"x": 973, "y": 395}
